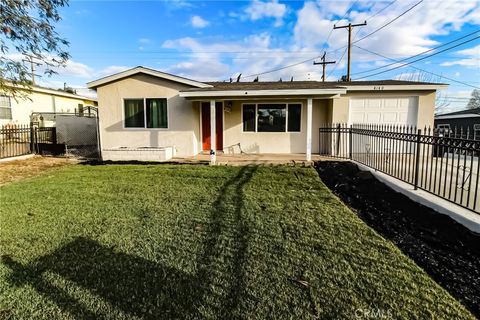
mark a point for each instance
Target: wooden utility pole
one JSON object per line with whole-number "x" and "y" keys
{"x": 33, "y": 63}
{"x": 323, "y": 63}
{"x": 350, "y": 26}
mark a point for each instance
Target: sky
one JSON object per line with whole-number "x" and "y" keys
{"x": 218, "y": 40}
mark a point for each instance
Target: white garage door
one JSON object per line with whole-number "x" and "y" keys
{"x": 391, "y": 110}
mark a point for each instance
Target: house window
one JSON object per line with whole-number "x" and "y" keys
{"x": 156, "y": 113}
{"x": 146, "y": 113}
{"x": 476, "y": 131}
{"x": 5, "y": 108}
{"x": 278, "y": 117}
{"x": 271, "y": 118}
{"x": 443, "y": 129}
{"x": 249, "y": 117}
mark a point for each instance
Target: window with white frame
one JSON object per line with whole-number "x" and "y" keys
{"x": 146, "y": 113}
{"x": 272, "y": 117}
{"x": 5, "y": 108}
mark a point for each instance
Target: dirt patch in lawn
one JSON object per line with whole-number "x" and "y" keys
{"x": 447, "y": 251}
{"x": 15, "y": 170}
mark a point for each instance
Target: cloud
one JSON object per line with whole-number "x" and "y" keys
{"x": 259, "y": 9}
{"x": 472, "y": 58}
{"x": 199, "y": 22}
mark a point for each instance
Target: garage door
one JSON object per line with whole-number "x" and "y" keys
{"x": 388, "y": 110}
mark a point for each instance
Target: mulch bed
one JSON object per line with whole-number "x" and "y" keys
{"x": 446, "y": 250}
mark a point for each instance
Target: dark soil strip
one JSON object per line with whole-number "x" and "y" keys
{"x": 447, "y": 251}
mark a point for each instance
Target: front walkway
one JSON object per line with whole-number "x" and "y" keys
{"x": 250, "y": 158}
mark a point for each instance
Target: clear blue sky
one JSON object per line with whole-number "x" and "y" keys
{"x": 216, "y": 40}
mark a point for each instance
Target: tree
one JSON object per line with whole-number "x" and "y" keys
{"x": 474, "y": 101}
{"x": 27, "y": 31}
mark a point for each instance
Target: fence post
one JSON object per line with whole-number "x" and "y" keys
{"x": 417, "y": 159}
{"x": 32, "y": 139}
{"x": 350, "y": 142}
{"x": 338, "y": 140}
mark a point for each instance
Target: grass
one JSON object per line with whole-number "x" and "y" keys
{"x": 131, "y": 242}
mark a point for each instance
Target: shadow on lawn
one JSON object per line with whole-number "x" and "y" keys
{"x": 144, "y": 288}
{"x": 130, "y": 283}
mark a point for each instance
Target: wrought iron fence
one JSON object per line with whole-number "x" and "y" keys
{"x": 444, "y": 163}
{"x": 14, "y": 140}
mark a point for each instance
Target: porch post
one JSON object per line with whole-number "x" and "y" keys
{"x": 213, "y": 140}
{"x": 309, "y": 129}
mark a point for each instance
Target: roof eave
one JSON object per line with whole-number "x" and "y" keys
{"x": 260, "y": 93}
{"x": 398, "y": 87}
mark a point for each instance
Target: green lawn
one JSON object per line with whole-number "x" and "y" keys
{"x": 170, "y": 241}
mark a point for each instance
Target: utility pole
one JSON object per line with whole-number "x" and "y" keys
{"x": 350, "y": 26}
{"x": 323, "y": 63}
{"x": 32, "y": 65}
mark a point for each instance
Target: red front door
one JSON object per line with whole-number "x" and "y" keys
{"x": 206, "y": 125}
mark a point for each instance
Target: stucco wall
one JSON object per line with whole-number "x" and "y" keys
{"x": 273, "y": 142}
{"x": 41, "y": 102}
{"x": 183, "y": 118}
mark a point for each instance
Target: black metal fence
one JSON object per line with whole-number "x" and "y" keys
{"x": 14, "y": 140}
{"x": 444, "y": 163}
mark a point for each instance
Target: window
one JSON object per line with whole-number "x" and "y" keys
{"x": 476, "y": 131}
{"x": 5, "y": 108}
{"x": 271, "y": 118}
{"x": 294, "y": 116}
{"x": 443, "y": 129}
{"x": 156, "y": 113}
{"x": 249, "y": 117}
{"x": 146, "y": 113}
{"x": 278, "y": 117}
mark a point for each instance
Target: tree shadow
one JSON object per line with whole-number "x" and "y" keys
{"x": 132, "y": 284}
{"x": 147, "y": 289}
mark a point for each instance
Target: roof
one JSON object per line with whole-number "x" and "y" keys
{"x": 276, "y": 85}
{"x": 468, "y": 113}
{"x": 142, "y": 70}
{"x": 303, "y": 88}
{"x": 55, "y": 92}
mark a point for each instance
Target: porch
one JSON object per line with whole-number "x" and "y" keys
{"x": 246, "y": 159}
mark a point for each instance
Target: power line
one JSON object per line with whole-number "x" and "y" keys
{"x": 317, "y": 57}
{"x": 349, "y": 27}
{"x": 324, "y": 64}
{"x": 416, "y": 55}
{"x": 308, "y": 60}
{"x": 420, "y": 69}
{"x": 339, "y": 61}
{"x": 419, "y": 59}
{"x": 390, "y": 22}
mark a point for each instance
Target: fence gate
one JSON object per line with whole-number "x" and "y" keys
{"x": 69, "y": 134}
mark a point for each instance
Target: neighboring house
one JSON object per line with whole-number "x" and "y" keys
{"x": 38, "y": 99}
{"x": 147, "y": 114}
{"x": 461, "y": 121}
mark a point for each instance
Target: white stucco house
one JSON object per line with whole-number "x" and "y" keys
{"x": 146, "y": 114}
{"x": 17, "y": 110}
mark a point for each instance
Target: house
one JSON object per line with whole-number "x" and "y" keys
{"x": 460, "y": 122}
{"x": 17, "y": 110}
{"x": 146, "y": 114}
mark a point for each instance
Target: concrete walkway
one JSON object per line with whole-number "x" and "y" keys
{"x": 246, "y": 159}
